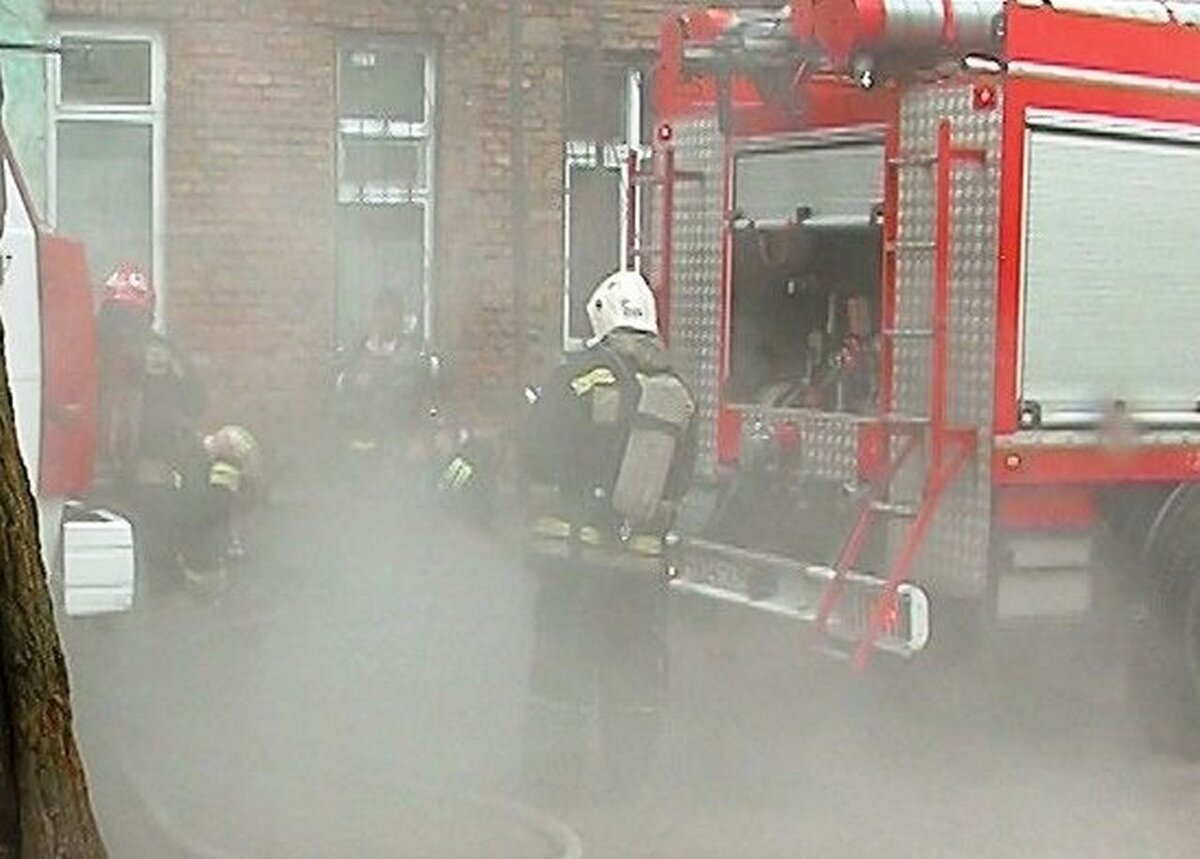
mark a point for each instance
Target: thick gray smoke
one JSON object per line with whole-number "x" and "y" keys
{"x": 361, "y": 688}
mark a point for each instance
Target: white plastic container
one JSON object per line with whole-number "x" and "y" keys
{"x": 98, "y": 563}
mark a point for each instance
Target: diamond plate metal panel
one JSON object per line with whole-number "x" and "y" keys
{"x": 696, "y": 272}
{"x": 828, "y": 442}
{"x": 954, "y": 559}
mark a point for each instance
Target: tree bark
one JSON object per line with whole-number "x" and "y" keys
{"x": 44, "y": 806}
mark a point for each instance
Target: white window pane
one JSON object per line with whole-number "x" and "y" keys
{"x": 379, "y": 247}
{"x": 382, "y": 82}
{"x": 382, "y": 162}
{"x": 104, "y": 192}
{"x": 106, "y": 72}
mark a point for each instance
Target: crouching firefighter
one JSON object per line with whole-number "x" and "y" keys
{"x": 152, "y": 402}
{"x": 610, "y": 449}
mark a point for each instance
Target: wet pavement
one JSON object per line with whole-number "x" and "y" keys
{"x": 359, "y": 691}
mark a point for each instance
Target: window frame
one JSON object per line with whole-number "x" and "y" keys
{"x": 152, "y": 115}
{"x": 423, "y": 134}
{"x": 610, "y": 155}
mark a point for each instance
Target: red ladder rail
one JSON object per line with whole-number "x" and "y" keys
{"x": 939, "y": 473}
{"x": 856, "y": 541}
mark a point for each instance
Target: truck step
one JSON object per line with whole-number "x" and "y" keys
{"x": 909, "y": 247}
{"x": 736, "y": 577}
{"x": 898, "y": 511}
{"x": 909, "y": 333}
{"x": 899, "y": 420}
{"x": 916, "y": 159}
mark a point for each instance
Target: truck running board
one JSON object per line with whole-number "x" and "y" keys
{"x": 792, "y": 589}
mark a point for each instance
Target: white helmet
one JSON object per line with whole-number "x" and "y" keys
{"x": 622, "y": 300}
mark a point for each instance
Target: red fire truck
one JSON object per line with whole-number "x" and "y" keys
{"x": 51, "y": 362}
{"x": 931, "y": 267}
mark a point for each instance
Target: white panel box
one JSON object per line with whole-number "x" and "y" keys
{"x": 98, "y": 563}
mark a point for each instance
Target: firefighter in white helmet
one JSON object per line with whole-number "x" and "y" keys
{"x": 610, "y": 448}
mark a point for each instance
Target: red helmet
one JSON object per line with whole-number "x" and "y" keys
{"x": 129, "y": 286}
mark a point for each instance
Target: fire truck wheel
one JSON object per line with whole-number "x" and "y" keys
{"x": 1165, "y": 679}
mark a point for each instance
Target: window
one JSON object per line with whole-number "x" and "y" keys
{"x": 605, "y": 123}
{"x": 385, "y": 179}
{"x": 110, "y": 72}
{"x": 106, "y": 145}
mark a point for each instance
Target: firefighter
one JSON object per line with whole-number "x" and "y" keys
{"x": 152, "y": 401}
{"x": 150, "y": 392}
{"x": 609, "y": 451}
{"x": 382, "y": 383}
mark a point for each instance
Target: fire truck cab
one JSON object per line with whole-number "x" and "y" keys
{"x": 931, "y": 270}
{"x": 51, "y": 355}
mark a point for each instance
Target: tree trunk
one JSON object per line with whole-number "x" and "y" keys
{"x": 44, "y": 805}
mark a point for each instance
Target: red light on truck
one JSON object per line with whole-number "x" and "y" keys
{"x": 984, "y": 97}
{"x": 1013, "y": 462}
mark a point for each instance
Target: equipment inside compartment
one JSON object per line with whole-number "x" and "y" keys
{"x": 804, "y": 324}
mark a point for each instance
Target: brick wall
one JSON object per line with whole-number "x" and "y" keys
{"x": 250, "y": 186}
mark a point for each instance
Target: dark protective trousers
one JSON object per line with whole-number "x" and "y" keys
{"x": 599, "y": 661}
{"x": 182, "y": 519}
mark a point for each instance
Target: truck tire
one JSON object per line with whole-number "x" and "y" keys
{"x": 1165, "y": 677}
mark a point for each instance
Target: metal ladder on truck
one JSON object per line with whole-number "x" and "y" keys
{"x": 947, "y": 449}
{"x": 856, "y": 614}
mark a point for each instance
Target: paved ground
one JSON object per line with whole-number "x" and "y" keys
{"x": 360, "y": 690}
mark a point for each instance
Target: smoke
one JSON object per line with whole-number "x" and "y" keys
{"x": 363, "y": 685}
{"x": 362, "y": 690}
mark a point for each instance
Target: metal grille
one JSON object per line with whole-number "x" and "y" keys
{"x": 696, "y": 273}
{"x": 954, "y": 560}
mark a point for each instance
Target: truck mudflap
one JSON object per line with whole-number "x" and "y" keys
{"x": 793, "y": 589}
